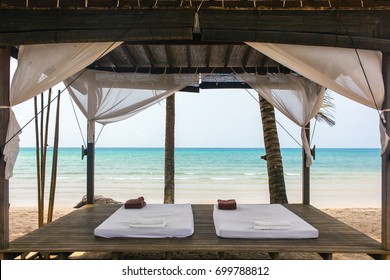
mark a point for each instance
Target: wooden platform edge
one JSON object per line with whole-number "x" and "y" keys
{"x": 43, "y": 244}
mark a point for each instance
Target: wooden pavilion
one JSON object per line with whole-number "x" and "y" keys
{"x": 192, "y": 36}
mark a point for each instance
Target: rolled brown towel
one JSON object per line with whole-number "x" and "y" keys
{"x": 229, "y": 204}
{"x": 135, "y": 203}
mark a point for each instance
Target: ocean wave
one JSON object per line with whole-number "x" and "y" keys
{"x": 223, "y": 178}
{"x": 63, "y": 178}
{"x": 116, "y": 178}
{"x": 292, "y": 174}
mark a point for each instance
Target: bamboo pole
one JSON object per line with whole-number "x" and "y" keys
{"x": 44, "y": 148}
{"x": 41, "y": 137}
{"x": 37, "y": 145}
{"x": 54, "y": 164}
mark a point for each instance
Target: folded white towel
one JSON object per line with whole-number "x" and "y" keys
{"x": 271, "y": 225}
{"x": 148, "y": 222}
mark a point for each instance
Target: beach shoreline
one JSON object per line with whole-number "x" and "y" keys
{"x": 367, "y": 220}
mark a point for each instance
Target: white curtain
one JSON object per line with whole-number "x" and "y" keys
{"x": 355, "y": 74}
{"x": 296, "y": 97}
{"x": 107, "y": 97}
{"x": 39, "y": 68}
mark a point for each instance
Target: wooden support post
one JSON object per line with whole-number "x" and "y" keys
{"x": 115, "y": 255}
{"x": 169, "y": 174}
{"x": 386, "y": 159}
{"x": 91, "y": 163}
{"x": 306, "y": 172}
{"x": 326, "y": 256}
{"x": 5, "y": 56}
{"x": 274, "y": 255}
{"x": 53, "y": 182}
{"x": 168, "y": 255}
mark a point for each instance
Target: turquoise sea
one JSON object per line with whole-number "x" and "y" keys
{"x": 339, "y": 177}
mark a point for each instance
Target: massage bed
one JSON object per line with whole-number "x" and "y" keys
{"x": 257, "y": 221}
{"x": 151, "y": 221}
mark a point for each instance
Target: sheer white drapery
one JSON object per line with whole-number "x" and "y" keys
{"x": 355, "y": 74}
{"x": 107, "y": 97}
{"x": 39, "y": 68}
{"x": 337, "y": 69}
{"x": 297, "y": 98}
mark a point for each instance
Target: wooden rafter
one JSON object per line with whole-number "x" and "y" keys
{"x": 247, "y": 54}
{"x": 188, "y": 54}
{"x": 227, "y": 55}
{"x": 149, "y": 55}
{"x": 169, "y": 55}
{"x": 132, "y": 58}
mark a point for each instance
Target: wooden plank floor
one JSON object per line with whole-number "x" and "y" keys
{"x": 74, "y": 233}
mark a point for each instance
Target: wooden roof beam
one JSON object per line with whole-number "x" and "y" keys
{"x": 134, "y": 4}
{"x": 194, "y": 70}
{"x": 36, "y": 26}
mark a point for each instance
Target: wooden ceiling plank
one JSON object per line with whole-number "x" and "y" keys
{"x": 208, "y": 54}
{"x": 247, "y": 54}
{"x": 188, "y": 54}
{"x": 227, "y": 55}
{"x": 133, "y": 60}
{"x": 149, "y": 55}
{"x": 169, "y": 55}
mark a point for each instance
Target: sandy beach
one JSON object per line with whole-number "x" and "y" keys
{"x": 367, "y": 220}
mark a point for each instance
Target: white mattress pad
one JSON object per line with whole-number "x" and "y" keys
{"x": 177, "y": 220}
{"x": 277, "y": 223}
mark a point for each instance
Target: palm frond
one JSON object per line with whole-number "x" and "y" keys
{"x": 326, "y": 112}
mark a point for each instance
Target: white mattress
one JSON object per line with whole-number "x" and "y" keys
{"x": 178, "y": 221}
{"x": 239, "y": 223}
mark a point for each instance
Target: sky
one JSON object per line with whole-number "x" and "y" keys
{"x": 211, "y": 118}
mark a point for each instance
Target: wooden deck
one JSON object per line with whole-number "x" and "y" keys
{"x": 74, "y": 233}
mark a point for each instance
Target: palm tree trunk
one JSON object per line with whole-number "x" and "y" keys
{"x": 169, "y": 177}
{"x": 277, "y": 187}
